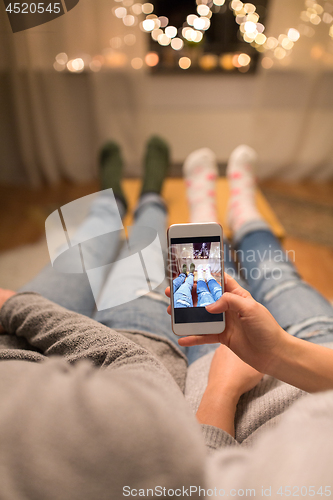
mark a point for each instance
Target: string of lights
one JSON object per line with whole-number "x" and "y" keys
{"x": 193, "y": 31}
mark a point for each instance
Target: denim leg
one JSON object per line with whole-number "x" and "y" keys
{"x": 215, "y": 289}
{"x": 274, "y": 282}
{"x": 178, "y": 281}
{"x": 183, "y": 296}
{"x": 142, "y": 304}
{"x": 204, "y": 296}
{"x": 73, "y": 290}
{"x": 229, "y": 264}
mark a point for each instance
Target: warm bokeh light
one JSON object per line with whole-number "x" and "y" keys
{"x": 177, "y": 43}
{"x": 156, "y": 33}
{"x": 250, "y": 27}
{"x": 115, "y": 59}
{"x": 137, "y": 63}
{"x": 235, "y": 61}
{"x": 293, "y": 35}
{"x": 226, "y": 62}
{"x": 267, "y": 62}
{"x": 208, "y": 62}
{"x": 129, "y": 20}
{"x": 75, "y": 65}
{"x": 164, "y": 21}
{"x": 129, "y": 39}
{"x": 191, "y": 18}
{"x": 287, "y": 44}
{"x": 184, "y": 62}
{"x": 137, "y": 9}
{"x": 147, "y": 8}
{"x": 249, "y": 8}
{"x": 62, "y": 59}
{"x": 152, "y": 59}
{"x": 171, "y": 31}
{"x": 148, "y": 24}
{"x": 236, "y": 5}
{"x": 164, "y": 40}
{"x": 251, "y": 30}
{"x": 95, "y": 65}
{"x": 244, "y": 59}
{"x": 120, "y": 12}
{"x": 260, "y": 39}
{"x": 271, "y": 43}
{"x": 203, "y": 10}
{"x": 279, "y": 53}
{"x": 59, "y": 67}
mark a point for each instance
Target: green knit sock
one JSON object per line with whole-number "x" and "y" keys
{"x": 111, "y": 165}
{"x": 155, "y": 164}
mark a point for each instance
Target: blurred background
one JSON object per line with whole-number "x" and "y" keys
{"x": 205, "y": 73}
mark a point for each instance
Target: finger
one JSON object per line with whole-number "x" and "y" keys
{"x": 229, "y": 302}
{"x": 167, "y": 291}
{"x": 169, "y": 310}
{"x": 231, "y": 285}
{"x": 199, "y": 340}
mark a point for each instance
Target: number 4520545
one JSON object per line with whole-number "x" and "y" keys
{"x": 34, "y": 8}
{"x": 304, "y": 491}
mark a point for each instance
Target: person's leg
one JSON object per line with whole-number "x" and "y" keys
{"x": 215, "y": 289}
{"x": 200, "y": 173}
{"x": 274, "y": 282}
{"x": 272, "y": 277}
{"x": 204, "y": 296}
{"x": 177, "y": 282}
{"x": 94, "y": 244}
{"x": 133, "y": 296}
{"x": 183, "y": 296}
{"x": 213, "y": 286}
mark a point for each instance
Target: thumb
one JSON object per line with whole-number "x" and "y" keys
{"x": 230, "y": 302}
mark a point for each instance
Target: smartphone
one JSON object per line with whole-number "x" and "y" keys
{"x": 196, "y": 272}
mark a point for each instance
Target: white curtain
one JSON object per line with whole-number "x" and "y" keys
{"x": 52, "y": 124}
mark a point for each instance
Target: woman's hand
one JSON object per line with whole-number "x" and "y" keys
{"x": 251, "y": 331}
{"x": 229, "y": 377}
{"x": 4, "y": 296}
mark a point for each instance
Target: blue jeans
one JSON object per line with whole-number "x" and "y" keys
{"x": 274, "y": 282}
{"x": 297, "y": 307}
{"x": 204, "y": 296}
{"x": 183, "y": 295}
{"x": 177, "y": 282}
{"x": 215, "y": 289}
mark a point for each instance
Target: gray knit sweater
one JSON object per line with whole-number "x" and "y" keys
{"x": 71, "y": 431}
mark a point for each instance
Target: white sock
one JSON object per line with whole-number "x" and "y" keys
{"x": 200, "y": 272}
{"x": 200, "y": 173}
{"x": 242, "y": 204}
{"x": 208, "y": 273}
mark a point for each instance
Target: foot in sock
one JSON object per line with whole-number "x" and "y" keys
{"x": 156, "y": 163}
{"x": 240, "y": 173}
{"x": 208, "y": 272}
{"x": 200, "y": 272}
{"x": 200, "y": 174}
{"x": 111, "y": 165}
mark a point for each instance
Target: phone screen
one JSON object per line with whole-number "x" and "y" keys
{"x": 197, "y": 274}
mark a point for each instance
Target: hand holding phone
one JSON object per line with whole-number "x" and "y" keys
{"x": 251, "y": 332}
{"x": 195, "y": 267}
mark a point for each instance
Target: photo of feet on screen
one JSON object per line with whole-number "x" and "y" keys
{"x": 196, "y": 273}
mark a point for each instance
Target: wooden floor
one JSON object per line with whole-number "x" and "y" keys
{"x": 23, "y": 213}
